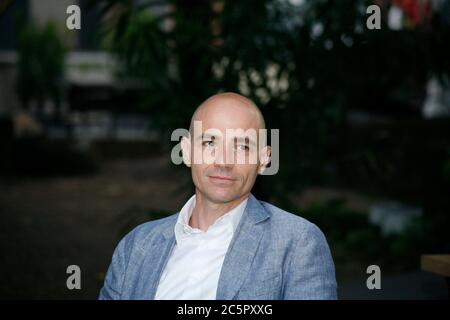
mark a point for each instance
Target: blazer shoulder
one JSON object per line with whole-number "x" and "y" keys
{"x": 292, "y": 224}
{"x": 143, "y": 234}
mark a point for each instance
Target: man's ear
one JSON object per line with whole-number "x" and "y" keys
{"x": 264, "y": 158}
{"x": 186, "y": 150}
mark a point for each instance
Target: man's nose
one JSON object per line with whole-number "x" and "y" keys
{"x": 221, "y": 157}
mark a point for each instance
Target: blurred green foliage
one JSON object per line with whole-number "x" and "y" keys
{"x": 41, "y": 65}
{"x": 352, "y": 237}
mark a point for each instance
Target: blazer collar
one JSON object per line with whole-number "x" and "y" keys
{"x": 254, "y": 212}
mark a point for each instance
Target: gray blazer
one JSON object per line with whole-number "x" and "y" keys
{"x": 273, "y": 255}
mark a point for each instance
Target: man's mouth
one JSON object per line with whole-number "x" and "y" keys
{"x": 221, "y": 178}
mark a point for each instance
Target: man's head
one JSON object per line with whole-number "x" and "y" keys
{"x": 224, "y": 156}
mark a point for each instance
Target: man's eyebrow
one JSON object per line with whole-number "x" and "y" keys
{"x": 205, "y": 136}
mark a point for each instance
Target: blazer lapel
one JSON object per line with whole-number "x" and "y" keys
{"x": 242, "y": 250}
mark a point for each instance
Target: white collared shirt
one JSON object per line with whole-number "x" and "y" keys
{"x": 193, "y": 269}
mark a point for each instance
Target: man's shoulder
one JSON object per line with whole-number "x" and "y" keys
{"x": 146, "y": 232}
{"x": 154, "y": 225}
{"x": 291, "y": 224}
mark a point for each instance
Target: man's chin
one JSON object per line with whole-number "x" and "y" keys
{"x": 222, "y": 196}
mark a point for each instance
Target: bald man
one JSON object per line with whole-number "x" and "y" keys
{"x": 224, "y": 243}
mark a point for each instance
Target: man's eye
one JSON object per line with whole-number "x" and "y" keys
{"x": 208, "y": 143}
{"x": 242, "y": 147}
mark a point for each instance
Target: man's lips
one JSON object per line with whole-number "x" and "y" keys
{"x": 222, "y": 178}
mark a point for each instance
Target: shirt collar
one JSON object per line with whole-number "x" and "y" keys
{"x": 229, "y": 219}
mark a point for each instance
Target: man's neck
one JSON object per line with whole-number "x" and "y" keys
{"x": 206, "y": 212}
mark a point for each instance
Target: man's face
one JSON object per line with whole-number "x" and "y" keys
{"x": 224, "y": 151}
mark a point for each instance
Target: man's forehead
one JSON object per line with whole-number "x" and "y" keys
{"x": 250, "y": 133}
{"x": 228, "y": 111}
